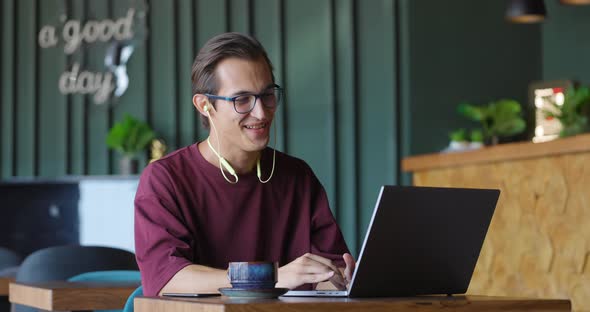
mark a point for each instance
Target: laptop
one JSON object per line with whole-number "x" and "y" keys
{"x": 420, "y": 241}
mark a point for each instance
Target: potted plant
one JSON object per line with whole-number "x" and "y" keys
{"x": 476, "y": 137}
{"x": 458, "y": 140}
{"x": 573, "y": 113}
{"x": 129, "y": 137}
{"x": 498, "y": 119}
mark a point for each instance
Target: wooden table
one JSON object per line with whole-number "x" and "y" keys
{"x": 72, "y": 296}
{"x": 4, "y": 281}
{"x": 292, "y": 304}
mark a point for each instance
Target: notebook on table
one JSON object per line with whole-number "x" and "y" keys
{"x": 420, "y": 241}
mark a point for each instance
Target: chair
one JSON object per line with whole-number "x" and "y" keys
{"x": 129, "y": 304}
{"x": 63, "y": 262}
{"x": 105, "y": 276}
{"x": 9, "y": 258}
{"x": 9, "y": 261}
{"x": 108, "y": 276}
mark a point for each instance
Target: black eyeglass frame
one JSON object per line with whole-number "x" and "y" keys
{"x": 277, "y": 90}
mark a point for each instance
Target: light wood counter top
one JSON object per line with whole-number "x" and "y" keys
{"x": 501, "y": 152}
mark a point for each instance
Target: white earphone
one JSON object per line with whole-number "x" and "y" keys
{"x": 223, "y": 163}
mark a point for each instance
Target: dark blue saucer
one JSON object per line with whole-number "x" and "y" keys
{"x": 253, "y": 293}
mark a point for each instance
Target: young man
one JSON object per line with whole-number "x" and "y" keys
{"x": 230, "y": 197}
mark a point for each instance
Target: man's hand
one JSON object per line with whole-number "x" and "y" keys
{"x": 310, "y": 268}
{"x": 349, "y": 270}
{"x": 343, "y": 279}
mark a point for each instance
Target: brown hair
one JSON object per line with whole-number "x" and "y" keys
{"x": 214, "y": 51}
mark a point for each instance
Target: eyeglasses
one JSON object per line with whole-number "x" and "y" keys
{"x": 244, "y": 103}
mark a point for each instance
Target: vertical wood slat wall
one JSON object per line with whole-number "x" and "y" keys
{"x": 336, "y": 59}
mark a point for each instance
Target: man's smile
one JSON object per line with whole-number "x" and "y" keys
{"x": 256, "y": 126}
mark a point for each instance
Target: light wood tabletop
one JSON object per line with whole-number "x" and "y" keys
{"x": 498, "y": 153}
{"x": 72, "y": 296}
{"x": 4, "y": 281}
{"x": 292, "y": 304}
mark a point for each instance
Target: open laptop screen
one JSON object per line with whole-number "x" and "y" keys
{"x": 421, "y": 241}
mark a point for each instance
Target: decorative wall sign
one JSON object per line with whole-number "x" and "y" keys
{"x": 542, "y": 95}
{"x": 86, "y": 82}
{"x": 119, "y": 33}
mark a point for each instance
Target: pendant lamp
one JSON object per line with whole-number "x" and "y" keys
{"x": 526, "y": 11}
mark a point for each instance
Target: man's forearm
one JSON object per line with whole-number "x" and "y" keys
{"x": 196, "y": 279}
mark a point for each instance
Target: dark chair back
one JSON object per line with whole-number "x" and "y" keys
{"x": 9, "y": 258}
{"x": 9, "y": 261}
{"x": 63, "y": 262}
{"x": 111, "y": 276}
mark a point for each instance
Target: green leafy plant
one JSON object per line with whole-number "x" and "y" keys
{"x": 458, "y": 135}
{"x": 130, "y": 136}
{"x": 498, "y": 119}
{"x": 574, "y": 112}
{"x": 476, "y": 136}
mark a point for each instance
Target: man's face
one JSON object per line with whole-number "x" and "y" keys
{"x": 248, "y": 132}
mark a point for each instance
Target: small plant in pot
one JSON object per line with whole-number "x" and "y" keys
{"x": 498, "y": 119}
{"x": 476, "y": 137}
{"x": 129, "y": 137}
{"x": 458, "y": 140}
{"x": 573, "y": 113}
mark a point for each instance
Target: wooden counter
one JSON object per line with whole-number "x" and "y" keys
{"x": 415, "y": 304}
{"x": 498, "y": 153}
{"x": 538, "y": 244}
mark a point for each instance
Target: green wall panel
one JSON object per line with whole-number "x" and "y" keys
{"x": 26, "y": 88}
{"x": 463, "y": 55}
{"x": 52, "y": 126}
{"x": 99, "y": 117}
{"x": 404, "y": 141}
{"x": 188, "y": 120}
{"x": 77, "y": 108}
{"x": 7, "y": 92}
{"x": 377, "y": 119}
{"x": 162, "y": 70}
{"x": 565, "y": 45}
{"x": 240, "y": 16}
{"x": 310, "y": 97}
{"x": 346, "y": 187}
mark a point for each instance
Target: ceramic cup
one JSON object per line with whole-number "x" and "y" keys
{"x": 253, "y": 275}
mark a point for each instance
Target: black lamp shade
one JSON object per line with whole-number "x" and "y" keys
{"x": 526, "y": 11}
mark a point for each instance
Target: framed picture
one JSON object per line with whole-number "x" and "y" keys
{"x": 543, "y": 97}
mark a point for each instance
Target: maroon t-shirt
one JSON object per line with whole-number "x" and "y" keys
{"x": 186, "y": 212}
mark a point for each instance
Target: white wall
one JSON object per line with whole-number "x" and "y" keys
{"x": 106, "y": 212}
